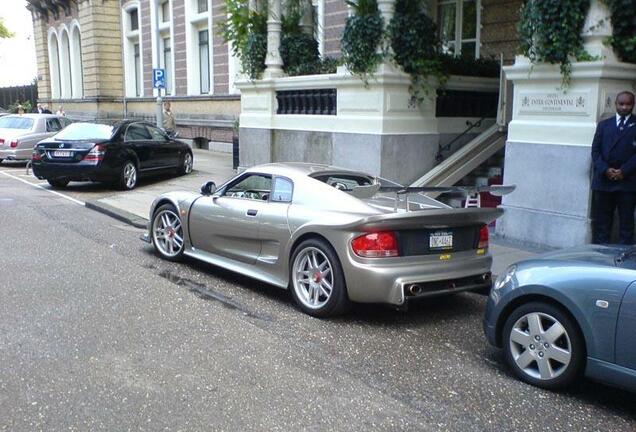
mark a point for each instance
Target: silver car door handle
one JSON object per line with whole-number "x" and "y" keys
{"x": 252, "y": 212}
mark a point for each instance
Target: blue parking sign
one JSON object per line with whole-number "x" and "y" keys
{"x": 159, "y": 78}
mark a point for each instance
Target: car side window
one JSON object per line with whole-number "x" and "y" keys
{"x": 137, "y": 132}
{"x": 282, "y": 191}
{"x": 344, "y": 182}
{"x": 53, "y": 125}
{"x": 252, "y": 186}
{"x": 157, "y": 135}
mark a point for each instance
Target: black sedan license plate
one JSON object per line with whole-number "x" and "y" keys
{"x": 441, "y": 240}
{"x": 61, "y": 153}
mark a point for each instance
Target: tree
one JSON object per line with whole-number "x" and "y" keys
{"x": 4, "y": 32}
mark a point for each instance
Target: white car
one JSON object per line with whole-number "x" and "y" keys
{"x": 20, "y": 133}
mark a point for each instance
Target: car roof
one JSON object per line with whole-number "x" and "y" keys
{"x": 302, "y": 168}
{"x": 35, "y": 115}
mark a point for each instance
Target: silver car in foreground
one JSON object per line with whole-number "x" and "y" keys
{"x": 20, "y": 133}
{"x": 330, "y": 235}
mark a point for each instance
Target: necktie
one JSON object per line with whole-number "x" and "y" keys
{"x": 621, "y": 123}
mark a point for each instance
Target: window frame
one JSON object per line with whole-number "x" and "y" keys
{"x": 207, "y": 60}
{"x": 223, "y": 191}
{"x": 141, "y": 126}
{"x": 271, "y": 192}
{"x": 458, "y": 41}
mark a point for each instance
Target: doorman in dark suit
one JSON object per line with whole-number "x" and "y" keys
{"x": 614, "y": 179}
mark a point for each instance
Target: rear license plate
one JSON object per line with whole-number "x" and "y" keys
{"x": 441, "y": 240}
{"x": 61, "y": 153}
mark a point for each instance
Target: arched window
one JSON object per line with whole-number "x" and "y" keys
{"x": 65, "y": 64}
{"x": 54, "y": 64}
{"x": 77, "y": 74}
{"x": 133, "y": 64}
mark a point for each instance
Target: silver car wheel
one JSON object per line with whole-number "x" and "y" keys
{"x": 312, "y": 277}
{"x": 187, "y": 163}
{"x": 167, "y": 233}
{"x": 540, "y": 346}
{"x": 130, "y": 175}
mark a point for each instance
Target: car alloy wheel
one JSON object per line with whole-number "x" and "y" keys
{"x": 316, "y": 279}
{"x": 313, "y": 278}
{"x": 128, "y": 176}
{"x": 543, "y": 346}
{"x": 187, "y": 163}
{"x": 167, "y": 233}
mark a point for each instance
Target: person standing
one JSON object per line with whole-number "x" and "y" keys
{"x": 60, "y": 111}
{"x": 169, "y": 123}
{"x": 38, "y": 109}
{"x": 614, "y": 173}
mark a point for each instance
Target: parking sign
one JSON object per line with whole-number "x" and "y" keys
{"x": 159, "y": 78}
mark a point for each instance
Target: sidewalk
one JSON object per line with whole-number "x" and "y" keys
{"x": 132, "y": 206}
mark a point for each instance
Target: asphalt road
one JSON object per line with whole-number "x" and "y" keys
{"x": 97, "y": 333}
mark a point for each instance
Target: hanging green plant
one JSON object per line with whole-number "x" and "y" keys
{"x": 247, "y": 31}
{"x": 298, "y": 49}
{"x": 623, "y": 38}
{"x": 550, "y": 32}
{"x": 415, "y": 46}
{"x": 361, "y": 37}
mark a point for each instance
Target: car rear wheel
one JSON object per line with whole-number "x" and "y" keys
{"x": 317, "y": 281}
{"x": 127, "y": 176}
{"x": 167, "y": 233}
{"x": 186, "y": 164}
{"x": 543, "y": 346}
{"x": 58, "y": 183}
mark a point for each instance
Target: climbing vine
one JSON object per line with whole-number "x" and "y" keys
{"x": 623, "y": 38}
{"x": 550, "y": 32}
{"x": 361, "y": 38}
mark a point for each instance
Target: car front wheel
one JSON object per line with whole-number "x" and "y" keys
{"x": 317, "y": 280}
{"x": 167, "y": 233}
{"x": 543, "y": 346}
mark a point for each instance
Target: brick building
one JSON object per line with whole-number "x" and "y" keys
{"x": 95, "y": 56}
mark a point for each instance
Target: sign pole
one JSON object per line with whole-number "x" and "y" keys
{"x": 159, "y": 106}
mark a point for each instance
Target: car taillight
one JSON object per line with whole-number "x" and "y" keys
{"x": 14, "y": 143}
{"x": 1, "y": 141}
{"x": 36, "y": 156}
{"x": 483, "y": 237}
{"x": 96, "y": 154}
{"x": 375, "y": 245}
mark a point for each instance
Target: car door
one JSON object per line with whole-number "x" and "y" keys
{"x": 274, "y": 230}
{"x": 626, "y": 330}
{"x": 138, "y": 139}
{"x": 166, "y": 151}
{"x": 227, "y": 223}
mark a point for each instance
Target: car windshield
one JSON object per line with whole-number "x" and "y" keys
{"x": 85, "y": 131}
{"x": 16, "y": 123}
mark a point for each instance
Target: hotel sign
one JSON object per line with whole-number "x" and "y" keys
{"x": 570, "y": 103}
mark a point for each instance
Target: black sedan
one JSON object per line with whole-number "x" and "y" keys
{"x": 117, "y": 154}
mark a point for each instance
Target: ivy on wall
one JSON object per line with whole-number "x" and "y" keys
{"x": 415, "y": 46}
{"x": 247, "y": 30}
{"x": 362, "y": 35}
{"x": 550, "y": 32}
{"x": 623, "y": 39}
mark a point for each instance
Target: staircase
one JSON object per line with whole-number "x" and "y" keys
{"x": 465, "y": 160}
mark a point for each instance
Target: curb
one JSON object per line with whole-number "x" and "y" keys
{"x": 121, "y": 215}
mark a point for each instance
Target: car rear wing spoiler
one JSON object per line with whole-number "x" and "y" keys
{"x": 431, "y": 218}
{"x": 496, "y": 190}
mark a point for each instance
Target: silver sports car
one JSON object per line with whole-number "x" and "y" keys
{"x": 330, "y": 235}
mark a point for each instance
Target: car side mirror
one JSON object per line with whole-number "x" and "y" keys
{"x": 208, "y": 188}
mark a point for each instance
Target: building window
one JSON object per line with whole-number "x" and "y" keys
{"x": 138, "y": 77}
{"x": 134, "y": 20}
{"x": 459, "y": 26}
{"x": 202, "y": 6}
{"x": 204, "y": 62}
{"x": 54, "y": 65}
{"x": 167, "y": 63}
{"x": 165, "y": 11}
